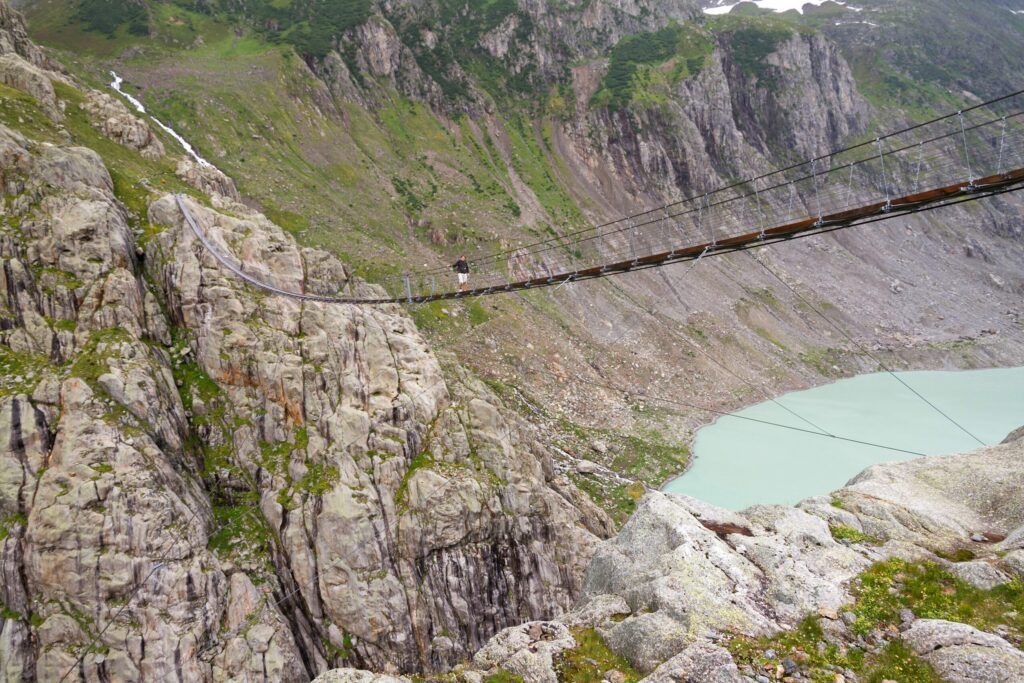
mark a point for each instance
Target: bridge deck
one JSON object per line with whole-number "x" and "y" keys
{"x": 949, "y": 194}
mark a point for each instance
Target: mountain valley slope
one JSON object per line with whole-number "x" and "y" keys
{"x": 389, "y": 488}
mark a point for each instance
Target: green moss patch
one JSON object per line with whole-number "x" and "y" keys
{"x": 650, "y": 457}
{"x": 20, "y": 111}
{"x": 958, "y": 555}
{"x": 91, "y": 362}
{"x": 680, "y": 48}
{"x": 880, "y": 593}
{"x": 9, "y": 521}
{"x": 10, "y": 614}
{"x": 802, "y": 644}
{"x": 898, "y": 663}
{"x": 503, "y": 677}
{"x": 443, "y": 319}
{"x": 590, "y": 659}
{"x": 827, "y": 362}
{"x": 819, "y": 659}
{"x": 239, "y": 529}
{"x": 421, "y": 461}
{"x": 930, "y": 592}
{"x": 841, "y": 532}
{"x": 20, "y": 372}
{"x": 618, "y": 500}
{"x": 319, "y": 479}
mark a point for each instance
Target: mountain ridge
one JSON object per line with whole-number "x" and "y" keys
{"x": 451, "y": 441}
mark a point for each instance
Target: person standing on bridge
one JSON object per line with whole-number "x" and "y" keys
{"x": 462, "y": 268}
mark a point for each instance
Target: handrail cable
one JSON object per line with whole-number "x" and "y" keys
{"x": 550, "y": 243}
{"x": 946, "y": 196}
{"x": 778, "y": 171}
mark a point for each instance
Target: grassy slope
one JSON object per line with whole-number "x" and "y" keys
{"x": 365, "y": 185}
{"x": 880, "y": 594}
{"x": 130, "y": 172}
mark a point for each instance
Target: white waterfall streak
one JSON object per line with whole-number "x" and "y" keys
{"x": 116, "y": 85}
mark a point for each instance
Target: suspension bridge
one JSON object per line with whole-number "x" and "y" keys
{"x": 964, "y": 156}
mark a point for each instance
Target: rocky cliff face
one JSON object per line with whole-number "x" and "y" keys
{"x": 532, "y": 41}
{"x": 14, "y": 40}
{"x": 202, "y": 483}
{"x": 721, "y": 119}
{"x": 433, "y": 128}
{"x": 412, "y": 520}
{"x": 722, "y": 122}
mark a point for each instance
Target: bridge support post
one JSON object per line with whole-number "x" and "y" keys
{"x": 700, "y": 217}
{"x": 817, "y": 192}
{"x": 967, "y": 152}
{"x": 917, "y": 171}
{"x": 632, "y": 239}
{"x": 885, "y": 179}
{"x": 760, "y": 214}
{"x": 1002, "y": 143}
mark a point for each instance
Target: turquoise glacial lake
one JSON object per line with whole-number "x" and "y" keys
{"x": 739, "y": 462}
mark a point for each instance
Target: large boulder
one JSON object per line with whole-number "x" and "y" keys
{"x": 980, "y": 574}
{"x": 962, "y": 653}
{"x": 702, "y": 661}
{"x": 113, "y": 119}
{"x": 688, "y": 570}
{"x": 20, "y": 74}
{"x": 527, "y": 650}
{"x": 1016, "y": 435}
{"x": 207, "y": 178}
{"x": 941, "y": 502}
{"x": 357, "y": 676}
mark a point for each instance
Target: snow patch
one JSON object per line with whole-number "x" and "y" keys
{"x": 116, "y": 85}
{"x": 774, "y": 5}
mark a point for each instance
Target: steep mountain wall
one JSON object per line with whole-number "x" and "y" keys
{"x": 202, "y": 483}
{"x": 721, "y": 123}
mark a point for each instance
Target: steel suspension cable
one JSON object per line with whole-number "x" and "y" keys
{"x": 630, "y": 392}
{"x": 717, "y": 362}
{"x": 875, "y": 141}
{"x": 863, "y": 349}
{"x": 706, "y": 203}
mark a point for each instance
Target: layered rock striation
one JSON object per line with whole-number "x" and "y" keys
{"x": 407, "y": 523}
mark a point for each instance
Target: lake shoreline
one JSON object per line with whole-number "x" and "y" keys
{"x": 913, "y": 428}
